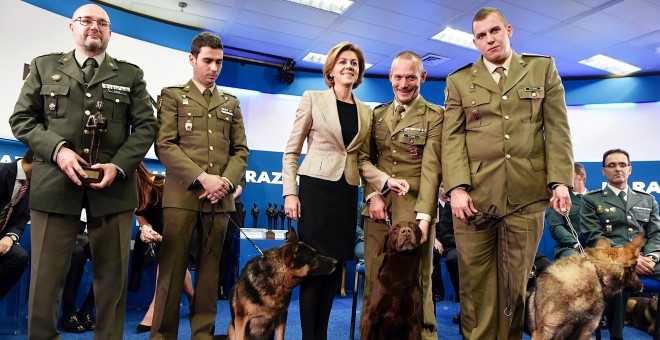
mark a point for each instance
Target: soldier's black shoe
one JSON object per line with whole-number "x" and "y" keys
{"x": 71, "y": 324}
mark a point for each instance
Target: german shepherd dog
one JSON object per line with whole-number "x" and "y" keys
{"x": 260, "y": 298}
{"x": 394, "y": 308}
{"x": 640, "y": 313}
{"x": 570, "y": 295}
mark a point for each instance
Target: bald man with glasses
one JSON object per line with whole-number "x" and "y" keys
{"x": 53, "y": 116}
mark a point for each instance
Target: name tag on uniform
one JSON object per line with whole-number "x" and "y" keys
{"x": 226, "y": 111}
{"x": 533, "y": 89}
{"x": 641, "y": 208}
{"x": 123, "y": 90}
{"x": 414, "y": 129}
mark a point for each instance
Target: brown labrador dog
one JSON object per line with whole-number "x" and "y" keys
{"x": 394, "y": 308}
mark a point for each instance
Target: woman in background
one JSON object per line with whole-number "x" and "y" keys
{"x": 149, "y": 215}
{"x": 335, "y": 124}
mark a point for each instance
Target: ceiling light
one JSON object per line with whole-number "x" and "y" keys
{"x": 455, "y": 37}
{"x": 334, "y": 6}
{"x": 610, "y": 65}
{"x": 318, "y": 58}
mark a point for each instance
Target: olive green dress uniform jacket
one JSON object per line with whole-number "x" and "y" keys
{"x": 317, "y": 121}
{"x": 193, "y": 138}
{"x": 604, "y": 214}
{"x": 410, "y": 150}
{"x": 506, "y": 146}
{"x": 560, "y": 230}
{"x": 53, "y": 107}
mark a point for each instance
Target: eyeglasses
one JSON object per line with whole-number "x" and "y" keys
{"x": 85, "y": 21}
{"x": 617, "y": 165}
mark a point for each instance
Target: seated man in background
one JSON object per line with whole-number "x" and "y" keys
{"x": 559, "y": 229}
{"x": 15, "y": 214}
{"x": 619, "y": 213}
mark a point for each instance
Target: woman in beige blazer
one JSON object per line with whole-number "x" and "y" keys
{"x": 335, "y": 124}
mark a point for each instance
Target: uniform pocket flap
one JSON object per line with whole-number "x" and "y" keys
{"x": 54, "y": 90}
{"x": 470, "y": 101}
{"x": 189, "y": 111}
{"x": 116, "y": 97}
{"x": 531, "y": 92}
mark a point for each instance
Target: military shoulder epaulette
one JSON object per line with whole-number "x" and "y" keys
{"x": 126, "y": 62}
{"x": 51, "y": 54}
{"x": 177, "y": 86}
{"x": 227, "y": 93}
{"x": 383, "y": 105}
{"x": 594, "y": 192}
{"x": 434, "y": 107}
{"x": 464, "y": 67}
{"x": 534, "y": 55}
{"x": 640, "y": 192}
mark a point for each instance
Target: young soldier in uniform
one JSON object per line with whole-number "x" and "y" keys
{"x": 506, "y": 148}
{"x": 201, "y": 142}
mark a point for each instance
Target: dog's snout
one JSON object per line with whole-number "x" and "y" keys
{"x": 405, "y": 231}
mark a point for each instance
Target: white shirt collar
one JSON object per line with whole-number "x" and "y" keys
{"x": 81, "y": 57}
{"x": 617, "y": 190}
{"x": 491, "y": 67}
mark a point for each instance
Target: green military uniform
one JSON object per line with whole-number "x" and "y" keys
{"x": 604, "y": 214}
{"x": 52, "y": 109}
{"x": 194, "y": 137}
{"x": 560, "y": 230}
{"x": 411, "y": 151}
{"x": 506, "y": 146}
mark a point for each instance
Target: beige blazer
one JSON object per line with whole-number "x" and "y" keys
{"x": 317, "y": 121}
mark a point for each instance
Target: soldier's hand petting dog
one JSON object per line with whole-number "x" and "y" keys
{"x": 400, "y": 186}
{"x": 560, "y": 200}
{"x": 644, "y": 266}
{"x": 377, "y": 208}
{"x": 215, "y": 187}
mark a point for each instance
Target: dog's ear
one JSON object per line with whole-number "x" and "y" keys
{"x": 635, "y": 246}
{"x": 603, "y": 243}
{"x": 292, "y": 237}
{"x": 381, "y": 250}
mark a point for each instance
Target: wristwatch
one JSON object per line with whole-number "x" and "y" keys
{"x": 653, "y": 257}
{"x": 13, "y": 237}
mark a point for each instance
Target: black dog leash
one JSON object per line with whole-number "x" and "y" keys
{"x": 239, "y": 228}
{"x": 488, "y": 218}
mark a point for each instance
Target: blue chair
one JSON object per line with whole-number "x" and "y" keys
{"x": 359, "y": 282}
{"x": 653, "y": 286}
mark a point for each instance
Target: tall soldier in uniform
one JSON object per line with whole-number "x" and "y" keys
{"x": 406, "y": 137}
{"x": 506, "y": 148}
{"x": 201, "y": 142}
{"x": 619, "y": 213}
{"x": 50, "y": 116}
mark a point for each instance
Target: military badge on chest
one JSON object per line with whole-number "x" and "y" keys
{"x": 414, "y": 152}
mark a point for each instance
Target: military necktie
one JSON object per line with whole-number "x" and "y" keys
{"x": 622, "y": 196}
{"x": 397, "y": 115}
{"x": 500, "y": 71}
{"x": 207, "y": 96}
{"x": 88, "y": 69}
{"x": 6, "y": 212}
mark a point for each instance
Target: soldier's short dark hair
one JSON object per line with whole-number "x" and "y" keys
{"x": 609, "y": 152}
{"x": 484, "y": 12}
{"x": 578, "y": 168}
{"x": 205, "y": 39}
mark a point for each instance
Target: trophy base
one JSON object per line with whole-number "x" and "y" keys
{"x": 93, "y": 175}
{"x": 270, "y": 235}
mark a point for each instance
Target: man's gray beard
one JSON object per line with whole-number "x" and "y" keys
{"x": 95, "y": 47}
